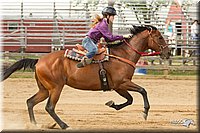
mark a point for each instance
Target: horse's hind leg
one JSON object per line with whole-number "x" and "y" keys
{"x": 50, "y": 107}
{"x": 124, "y": 94}
{"x": 40, "y": 96}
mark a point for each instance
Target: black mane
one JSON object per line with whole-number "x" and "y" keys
{"x": 135, "y": 30}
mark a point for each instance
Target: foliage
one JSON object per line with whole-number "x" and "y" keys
{"x": 174, "y": 72}
{"x": 146, "y": 9}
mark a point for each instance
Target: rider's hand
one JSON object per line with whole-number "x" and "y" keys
{"x": 127, "y": 36}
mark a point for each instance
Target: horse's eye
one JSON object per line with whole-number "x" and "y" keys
{"x": 160, "y": 37}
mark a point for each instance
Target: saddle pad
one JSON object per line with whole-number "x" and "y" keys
{"x": 71, "y": 54}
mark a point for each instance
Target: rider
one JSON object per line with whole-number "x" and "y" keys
{"x": 99, "y": 29}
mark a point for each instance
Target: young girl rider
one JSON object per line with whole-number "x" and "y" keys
{"x": 99, "y": 29}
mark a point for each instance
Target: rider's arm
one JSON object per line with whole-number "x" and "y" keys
{"x": 103, "y": 28}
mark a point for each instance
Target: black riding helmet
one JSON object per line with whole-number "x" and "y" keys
{"x": 109, "y": 10}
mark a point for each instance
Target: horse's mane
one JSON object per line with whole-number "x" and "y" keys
{"x": 137, "y": 29}
{"x": 134, "y": 31}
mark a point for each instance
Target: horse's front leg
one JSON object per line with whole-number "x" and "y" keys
{"x": 124, "y": 94}
{"x": 130, "y": 86}
{"x": 142, "y": 91}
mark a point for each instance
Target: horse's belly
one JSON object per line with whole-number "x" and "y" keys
{"x": 84, "y": 83}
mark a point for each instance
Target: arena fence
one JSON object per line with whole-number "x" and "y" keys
{"x": 31, "y": 27}
{"x": 56, "y": 24}
{"x": 151, "y": 63}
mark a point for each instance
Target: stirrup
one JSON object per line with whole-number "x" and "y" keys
{"x": 80, "y": 65}
{"x": 85, "y": 61}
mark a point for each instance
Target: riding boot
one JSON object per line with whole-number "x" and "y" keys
{"x": 85, "y": 61}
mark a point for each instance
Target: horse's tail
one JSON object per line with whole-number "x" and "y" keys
{"x": 23, "y": 63}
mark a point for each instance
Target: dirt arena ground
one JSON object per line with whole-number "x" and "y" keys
{"x": 170, "y": 100}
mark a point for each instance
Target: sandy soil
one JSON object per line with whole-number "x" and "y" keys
{"x": 170, "y": 100}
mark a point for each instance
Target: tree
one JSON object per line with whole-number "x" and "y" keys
{"x": 146, "y": 9}
{"x": 111, "y": 2}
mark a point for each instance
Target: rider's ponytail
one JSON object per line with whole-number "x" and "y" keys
{"x": 95, "y": 20}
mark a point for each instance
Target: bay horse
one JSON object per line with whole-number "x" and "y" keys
{"x": 53, "y": 71}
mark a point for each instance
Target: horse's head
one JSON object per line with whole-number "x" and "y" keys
{"x": 144, "y": 38}
{"x": 157, "y": 43}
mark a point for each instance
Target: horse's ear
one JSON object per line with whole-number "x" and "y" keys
{"x": 149, "y": 29}
{"x": 133, "y": 30}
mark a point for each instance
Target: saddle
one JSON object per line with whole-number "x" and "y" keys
{"x": 99, "y": 55}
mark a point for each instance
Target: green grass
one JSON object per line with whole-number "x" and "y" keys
{"x": 152, "y": 74}
{"x": 23, "y": 74}
{"x": 174, "y": 72}
{"x": 30, "y": 74}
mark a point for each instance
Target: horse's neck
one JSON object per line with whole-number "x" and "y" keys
{"x": 126, "y": 52}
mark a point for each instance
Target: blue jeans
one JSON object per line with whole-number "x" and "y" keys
{"x": 90, "y": 46}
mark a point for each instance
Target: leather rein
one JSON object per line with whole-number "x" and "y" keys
{"x": 140, "y": 53}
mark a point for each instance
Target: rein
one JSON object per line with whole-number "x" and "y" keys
{"x": 123, "y": 59}
{"x": 138, "y": 52}
{"x": 147, "y": 53}
{"x": 142, "y": 53}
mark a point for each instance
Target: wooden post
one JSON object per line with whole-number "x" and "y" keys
{"x": 25, "y": 37}
{"x": 22, "y": 48}
{"x": 6, "y": 56}
{"x": 54, "y": 28}
{"x": 194, "y": 61}
{"x": 170, "y": 62}
{"x": 63, "y": 39}
{"x": 110, "y": 26}
{"x": 87, "y": 14}
{"x": 166, "y": 68}
{"x": 111, "y": 3}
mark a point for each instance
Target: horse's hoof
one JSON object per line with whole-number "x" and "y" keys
{"x": 69, "y": 128}
{"x": 110, "y": 103}
{"x": 32, "y": 126}
{"x": 64, "y": 126}
{"x": 145, "y": 115}
{"x": 49, "y": 126}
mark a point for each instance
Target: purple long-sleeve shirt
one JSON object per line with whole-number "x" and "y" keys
{"x": 101, "y": 30}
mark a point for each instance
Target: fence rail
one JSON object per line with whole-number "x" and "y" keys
{"x": 154, "y": 63}
{"x": 60, "y": 24}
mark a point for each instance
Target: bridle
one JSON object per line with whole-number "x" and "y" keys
{"x": 153, "y": 41}
{"x": 138, "y": 52}
{"x": 148, "y": 53}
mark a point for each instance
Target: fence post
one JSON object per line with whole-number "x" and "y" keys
{"x": 56, "y": 34}
{"x": 22, "y": 32}
{"x": 63, "y": 38}
{"x": 166, "y": 68}
{"x": 25, "y": 37}
{"x": 111, "y": 3}
{"x": 6, "y": 56}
